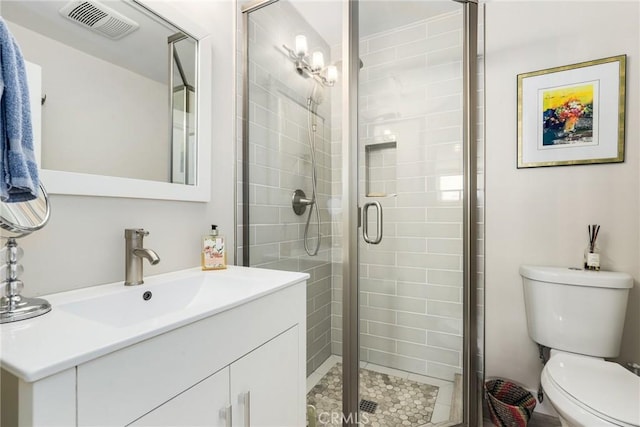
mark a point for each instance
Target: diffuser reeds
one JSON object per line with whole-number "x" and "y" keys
{"x": 593, "y": 235}
{"x": 592, "y": 255}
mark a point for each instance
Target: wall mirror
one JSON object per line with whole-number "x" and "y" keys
{"x": 124, "y": 87}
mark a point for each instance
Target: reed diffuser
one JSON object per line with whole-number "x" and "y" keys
{"x": 592, "y": 253}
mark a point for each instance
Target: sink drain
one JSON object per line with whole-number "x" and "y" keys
{"x": 147, "y": 295}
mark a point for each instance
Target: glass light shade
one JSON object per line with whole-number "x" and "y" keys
{"x": 317, "y": 60}
{"x": 301, "y": 45}
{"x": 332, "y": 74}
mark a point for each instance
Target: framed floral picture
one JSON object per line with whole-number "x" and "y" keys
{"x": 572, "y": 115}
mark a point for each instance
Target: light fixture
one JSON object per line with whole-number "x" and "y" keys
{"x": 316, "y": 69}
{"x": 301, "y": 45}
{"x": 332, "y": 73}
{"x": 317, "y": 61}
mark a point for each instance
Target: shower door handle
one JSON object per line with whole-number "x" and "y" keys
{"x": 365, "y": 223}
{"x": 226, "y": 414}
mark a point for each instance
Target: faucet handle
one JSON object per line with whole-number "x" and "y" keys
{"x": 130, "y": 233}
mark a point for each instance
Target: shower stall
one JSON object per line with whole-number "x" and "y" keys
{"x": 360, "y": 163}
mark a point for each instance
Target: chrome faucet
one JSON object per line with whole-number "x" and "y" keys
{"x": 134, "y": 252}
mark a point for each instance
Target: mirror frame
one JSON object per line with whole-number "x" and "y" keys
{"x": 83, "y": 184}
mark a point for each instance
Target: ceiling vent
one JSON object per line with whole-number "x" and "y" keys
{"x": 99, "y": 18}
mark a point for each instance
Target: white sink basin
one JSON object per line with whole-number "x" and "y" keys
{"x": 162, "y": 296}
{"x": 90, "y": 322}
{"x": 131, "y": 305}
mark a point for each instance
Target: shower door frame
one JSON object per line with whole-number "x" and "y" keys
{"x": 472, "y": 396}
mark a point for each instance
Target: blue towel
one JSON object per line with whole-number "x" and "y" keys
{"x": 19, "y": 180}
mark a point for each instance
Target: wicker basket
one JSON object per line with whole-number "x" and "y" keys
{"x": 509, "y": 404}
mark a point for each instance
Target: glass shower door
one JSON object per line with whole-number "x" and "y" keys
{"x": 413, "y": 168}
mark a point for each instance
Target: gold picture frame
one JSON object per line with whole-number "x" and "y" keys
{"x": 572, "y": 115}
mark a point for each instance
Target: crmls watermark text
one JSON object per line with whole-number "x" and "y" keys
{"x": 337, "y": 418}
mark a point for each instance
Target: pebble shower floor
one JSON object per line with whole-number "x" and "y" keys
{"x": 401, "y": 402}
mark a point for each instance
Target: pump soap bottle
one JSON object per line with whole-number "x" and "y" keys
{"x": 214, "y": 253}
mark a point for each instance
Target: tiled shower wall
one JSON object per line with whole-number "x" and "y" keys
{"x": 280, "y": 163}
{"x": 411, "y": 283}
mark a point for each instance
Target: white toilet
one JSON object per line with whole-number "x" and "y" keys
{"x": 580, "y": 316}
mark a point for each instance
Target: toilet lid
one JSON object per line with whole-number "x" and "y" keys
{"x": 605, "y": 387}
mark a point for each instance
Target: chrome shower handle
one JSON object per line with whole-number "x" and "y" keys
{"x": 365, "y": 223}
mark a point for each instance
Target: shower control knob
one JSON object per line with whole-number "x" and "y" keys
{"x": 299, "y": 202}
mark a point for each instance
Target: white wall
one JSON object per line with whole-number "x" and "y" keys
{"x": 540, "y": 215}
{"x": 83, "y": 244}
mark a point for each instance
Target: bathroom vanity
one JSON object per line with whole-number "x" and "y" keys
{"x": 223, "y": 348}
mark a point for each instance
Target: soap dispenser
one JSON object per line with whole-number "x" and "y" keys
{"x": 214, "y": 253}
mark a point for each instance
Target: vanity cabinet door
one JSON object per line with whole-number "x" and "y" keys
{"x": 265, "y": 384}
{"x": 204, "y": 404}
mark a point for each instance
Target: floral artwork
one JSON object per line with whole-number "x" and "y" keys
{"x": 568, "y": 115}
{"x": 572, "y": 114}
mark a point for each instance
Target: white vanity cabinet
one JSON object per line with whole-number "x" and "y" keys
{"x": 243, "y": 365}
{"x": 263, "y": 392}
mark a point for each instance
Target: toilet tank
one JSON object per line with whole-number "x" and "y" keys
{"x": 576, "y": 310}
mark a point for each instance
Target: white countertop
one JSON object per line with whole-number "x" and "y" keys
{"x": 91, "y": 322}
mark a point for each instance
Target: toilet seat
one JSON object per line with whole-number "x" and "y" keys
{"x": 604, "y": 389}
